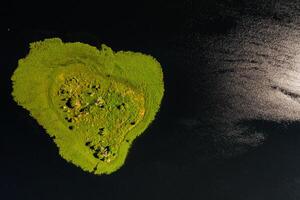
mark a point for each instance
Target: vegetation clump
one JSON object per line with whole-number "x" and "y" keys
{"x": 92, "y": 102}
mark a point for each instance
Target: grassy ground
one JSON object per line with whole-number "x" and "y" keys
{"x": 92, "y": 102}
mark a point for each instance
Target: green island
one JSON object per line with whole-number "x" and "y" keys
{"x": 92, "y": 102}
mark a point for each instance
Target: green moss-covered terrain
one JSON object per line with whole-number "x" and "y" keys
{"x": 92, "y": 102}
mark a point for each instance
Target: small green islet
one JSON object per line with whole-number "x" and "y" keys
{"x": 92, "y": 102}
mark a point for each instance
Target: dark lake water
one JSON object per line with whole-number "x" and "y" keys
{"x": 176, "y": 158}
